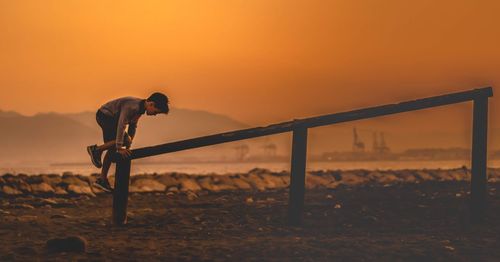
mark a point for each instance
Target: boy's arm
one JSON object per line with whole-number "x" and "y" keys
{"x": 120, "y": 129}
{"x": 131, "y": 132}
{"x": 131, "y": 129}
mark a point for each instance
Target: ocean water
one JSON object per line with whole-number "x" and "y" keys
{"x": 224, "y": 168}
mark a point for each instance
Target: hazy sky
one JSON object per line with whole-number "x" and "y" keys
{"x": 256, "y": 61}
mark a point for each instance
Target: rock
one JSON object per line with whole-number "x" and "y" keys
{"x": 26, "y": 218}
{"x": 351, "y": 178}
{"x": 42, "y": 188}
{"x": 207, "y": 184}
{"x": 24, "y": 187}
{"x": 173, "y": 189}
{"x": 223, "y": 182}
{"x": 80, "y": 190}
{"x": 256, "y": 181}
{"x": 423, "y": 176}
{"x": 35, "y": 179}
{"x": 57, "y": 216}
{"x": 259, "y": 171}
{"x": 49, "y": 201}
{"x": 10, "y": 191}
{"x": 73, "y": 180}
{"x": 60, "y": 191}
{"x": 167, "y": 180}
{"x": 52, "y": 179}
{"x": 315, "y": 181}
{"x": 26, "y": 206}
{"x": 10, "y": 178}
{"x": 241, "y": 184}
{"x": 68, "y": 244}
{"x": 191, "y": 195}
{"x": 189, "y": 185}
{"x": 170, "y": 194}
{"x": 273, "y": 181}
{"x": 147, "y": 185}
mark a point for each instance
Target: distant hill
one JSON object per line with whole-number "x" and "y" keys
{"x": 54, "y": 137}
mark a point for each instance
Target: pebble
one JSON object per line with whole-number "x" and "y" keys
{"x": 23, "y": 206}
{"x": 68, "y": 244}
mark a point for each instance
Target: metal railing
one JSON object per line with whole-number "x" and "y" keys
{"x": 299, "y": 127}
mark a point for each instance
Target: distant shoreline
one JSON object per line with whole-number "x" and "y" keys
{"x": 261, "y": 161}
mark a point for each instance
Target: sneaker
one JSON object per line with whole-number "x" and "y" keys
{"x": 95, "y": 156}
{"x": 103, "y": 184}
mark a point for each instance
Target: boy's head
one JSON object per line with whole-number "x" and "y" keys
{"x": 157, "y": 103}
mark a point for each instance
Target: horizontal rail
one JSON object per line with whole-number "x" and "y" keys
{"x": 313, "y": 122}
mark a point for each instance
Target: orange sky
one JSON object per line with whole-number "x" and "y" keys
{"x": 256, "y": 61}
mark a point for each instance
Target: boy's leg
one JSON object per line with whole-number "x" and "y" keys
{"x": 102, "y": 182}
{"x": 111, "y": 144}
{"x": 106, "y": 164}
{"x": 106, "y": 146}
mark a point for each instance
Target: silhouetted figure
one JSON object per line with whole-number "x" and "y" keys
{"x": 113, "y": 117}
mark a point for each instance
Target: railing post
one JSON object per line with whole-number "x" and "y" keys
{"x": 120, "y": 194}
{"x": 297, "y": 176}
{"x": 479, "y": 156}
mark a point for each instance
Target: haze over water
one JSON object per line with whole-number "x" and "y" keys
{"x": 224, "y": 168}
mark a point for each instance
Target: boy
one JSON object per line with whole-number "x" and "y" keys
{"x": 112, "y": 117}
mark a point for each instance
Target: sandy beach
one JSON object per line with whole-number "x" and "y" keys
{"x": 375, "y": 219}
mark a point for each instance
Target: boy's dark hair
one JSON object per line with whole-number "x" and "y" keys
{"x": 161, "y": 101}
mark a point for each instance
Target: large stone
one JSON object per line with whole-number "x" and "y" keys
{"x": 68, "y": 244}
{"x": 351, "y": 178}
{"x": 274, "y": 181}
{"x": 223, "y": 182}
{"x": 241, "y": 184}
{"x": 167, "y": 180}
{"x": 423, "y": 175}
{"x": 206, "y": 183}
{"x": 73, "y": 180}
{"x": 10, "y": 191}
{"x": 80, "y": 190}
{"x": 42, "y": 188}
{"x": 383, "y": 177}
{"x": 10, "y": 178}
{"x": 315, "y": 181}
{"x": 52, "y": 179}
{"x": 60, "y": 191}
{"x": 35, "y": 179}
{"x": 189, "y": 185}
{"x": 255, "y": 181}
{"x": 24, "y": 187}
{"x": 146, "y": 185}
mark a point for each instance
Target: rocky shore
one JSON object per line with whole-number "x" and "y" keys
{"x": 69, "y": 184}
{"x": 360, "y": 215}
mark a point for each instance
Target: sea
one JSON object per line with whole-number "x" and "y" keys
{"x": 241, "y": 167}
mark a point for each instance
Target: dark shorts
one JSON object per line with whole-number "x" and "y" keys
{"x": 108, "y": 125}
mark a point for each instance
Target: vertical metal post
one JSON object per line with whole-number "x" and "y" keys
{"x": 297, "y": 176}
{"x": 120, "y": 193}
{"x": 479, "y": 155}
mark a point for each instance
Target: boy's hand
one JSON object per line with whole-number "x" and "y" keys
{"x": 124, "y": 152}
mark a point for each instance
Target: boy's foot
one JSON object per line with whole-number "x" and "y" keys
{"x": 103, "y": 184}
{"x": 95, "y": 156}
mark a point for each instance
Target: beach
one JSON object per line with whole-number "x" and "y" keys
{"x": 354, "y": 215}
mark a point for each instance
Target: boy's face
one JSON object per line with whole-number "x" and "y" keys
{"x": 151, "y": 110}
